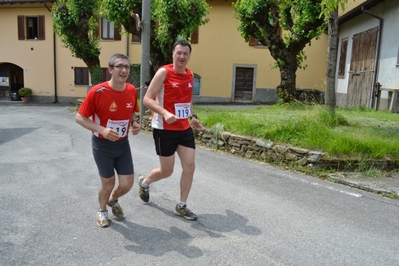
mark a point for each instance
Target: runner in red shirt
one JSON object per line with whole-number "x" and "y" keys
{"x": 169, "y": 97}
{"x": 112, "y": 106}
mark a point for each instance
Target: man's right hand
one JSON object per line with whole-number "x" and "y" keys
{"x": 110, "y": 134}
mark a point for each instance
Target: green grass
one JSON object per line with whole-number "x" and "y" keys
{"x": 347, "y": 132}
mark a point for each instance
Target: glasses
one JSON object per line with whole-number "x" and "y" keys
{"x": 119, "y": 67}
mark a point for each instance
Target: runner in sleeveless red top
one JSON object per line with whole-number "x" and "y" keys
{"x": 172, "y": 89}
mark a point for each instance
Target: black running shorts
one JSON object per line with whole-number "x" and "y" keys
{"x": 112, "y": 156}
{"x": 166, "y": 141}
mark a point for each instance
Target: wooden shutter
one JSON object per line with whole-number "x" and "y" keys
{"x": 21, "y": 28}
{"x": 117, "y": 35}
{"x": 253, "y": 41}
{"x": 136, "y": 38}
{"x": 194, "y": 36}
{"x": 41, "y": 28}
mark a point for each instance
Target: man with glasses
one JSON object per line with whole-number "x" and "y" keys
{"x": 169, "y": 97}
{"x": 112, "y": 106}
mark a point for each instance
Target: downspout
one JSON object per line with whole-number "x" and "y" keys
{"x": 54, "y": 60}
{"x": 127, "y": 44}
{"x": 377, "y": 59}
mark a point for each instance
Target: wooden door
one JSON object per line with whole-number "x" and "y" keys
{"x": 244, "y": 82}
{"x": 361, "y": 71}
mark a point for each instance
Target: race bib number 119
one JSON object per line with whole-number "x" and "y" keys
{"x": 182, "y": 110}
{"x": 119, "y": 126}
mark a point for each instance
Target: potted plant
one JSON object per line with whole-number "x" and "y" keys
{"x": 25, "y": 94}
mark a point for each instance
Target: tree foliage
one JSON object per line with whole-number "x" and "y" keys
{"x": 170, "y": 20}
{"x": 74, "y": 21}
{"x": 285, "y": 27}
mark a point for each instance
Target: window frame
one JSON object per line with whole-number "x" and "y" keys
{"x": 343, "y": 53}
{"x": 397, "y": 61}
{"x": 106, "y": 76}
{"x": 199, "y": 78}
{"x": 100, "y": 30}
{"x": 38, "y": 25}
{"x": 81, "y": 76}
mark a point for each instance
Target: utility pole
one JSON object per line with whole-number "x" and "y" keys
{"x": 145, "y": 53}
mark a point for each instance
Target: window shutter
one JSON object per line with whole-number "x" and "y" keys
{"x": 252, "y": 41}
{"x": 85, "y": 76}
{"x": 194, "y": 36}
{"x": 41, "y": 28}
{"x": 117, "y": 35}
{"x": 21, "y": 28}
{"x": 136, "y": 38}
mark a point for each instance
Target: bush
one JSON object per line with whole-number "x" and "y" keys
{"x": 25, "y": 92}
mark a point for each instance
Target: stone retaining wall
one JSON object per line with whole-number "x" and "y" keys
{"x": 265, "y": 151}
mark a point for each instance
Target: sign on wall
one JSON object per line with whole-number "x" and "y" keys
{"x": 4, "y": 81}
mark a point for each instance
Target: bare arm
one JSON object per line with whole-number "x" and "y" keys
{"x": 85, "y": 122}
{"x": 135, "y": 126}
{"x": 152, "y": 91}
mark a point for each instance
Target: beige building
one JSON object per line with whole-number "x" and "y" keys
{"x": 226, "y": 67}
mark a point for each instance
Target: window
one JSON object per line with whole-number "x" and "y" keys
{"x": 397, "y": 62}
{"x": 342, "y": 59}
{"x": 81, "y": 76}
{"x": 197, "y": 84}
{"x": 254, "y": 42}
{"x": 136, "y": 38}
{"x": 31, "y": 28}
{"x": 106, "y": 74}
{"x": 194, "y": 36}
{"x": 108, "y": 30}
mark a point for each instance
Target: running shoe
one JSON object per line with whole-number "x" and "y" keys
{"x": 116, "y": 209}
{"x": 144, "y": 192}
{"x": 102, "y": 218}
{"x": 185, "y": 213}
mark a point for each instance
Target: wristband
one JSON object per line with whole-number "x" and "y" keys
{"x": 193, "y": 115}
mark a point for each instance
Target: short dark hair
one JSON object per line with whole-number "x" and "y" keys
{"x": 182, "y": 43}
{"x": 116, "y": 56}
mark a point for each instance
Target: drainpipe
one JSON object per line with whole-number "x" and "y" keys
{"x": 54, "y": 60}
{"x": 127, "y": 44}
{"x": 377, "y": 59}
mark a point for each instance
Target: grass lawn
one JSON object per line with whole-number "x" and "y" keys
{"x": 347, "y": 132}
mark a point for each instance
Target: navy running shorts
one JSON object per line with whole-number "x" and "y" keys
{"x": 112, "y": 156}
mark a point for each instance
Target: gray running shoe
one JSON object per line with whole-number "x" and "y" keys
{"x": 116, "y": 209}
{"x": 143, "y": 191}
{"x": 185, "y": 213}
{"x": 102, "y": 218}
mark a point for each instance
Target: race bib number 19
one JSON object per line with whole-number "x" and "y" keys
{"x": 182, "y": 110}
{"x": 119, "y": 126}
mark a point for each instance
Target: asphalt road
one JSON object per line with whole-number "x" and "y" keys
{"x": 249, "y": 213}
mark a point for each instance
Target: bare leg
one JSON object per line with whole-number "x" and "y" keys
{"x": 124, "y": 186}
{"x": 166, "y": 169}
{"x": 107, "y": 184}
{"x": 187, "y": 158}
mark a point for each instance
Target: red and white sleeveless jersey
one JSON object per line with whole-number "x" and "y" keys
{"x": 175, "y": 97}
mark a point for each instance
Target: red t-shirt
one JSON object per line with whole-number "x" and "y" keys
{"x": 110, "y": 108}
{"x": 175, "y": 97}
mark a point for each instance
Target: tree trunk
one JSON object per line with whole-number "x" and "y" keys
{"x": 287, "y": 89}
{"x": 93, "y": 64}
{"x": 332, "y": 58}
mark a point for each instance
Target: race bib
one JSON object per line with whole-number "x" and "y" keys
{"x": 119, "y": 126}
{"x": 182, "y": 110}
